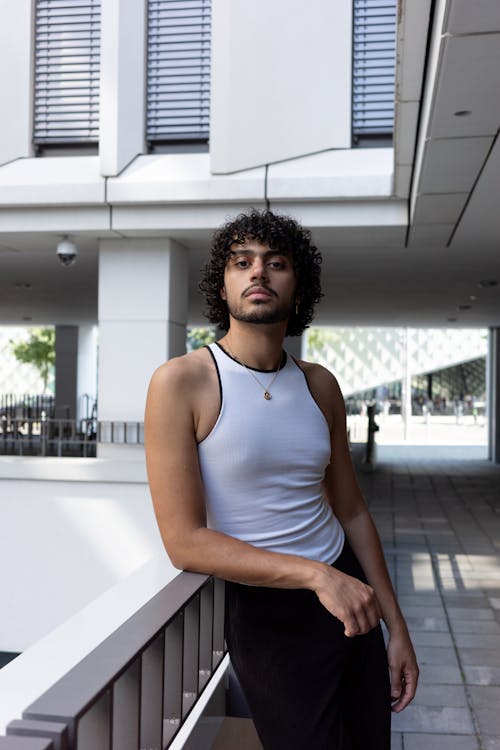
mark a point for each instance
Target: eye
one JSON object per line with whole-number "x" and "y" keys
{"x": 242, "y": 263}
{"x": 277, "y": 263}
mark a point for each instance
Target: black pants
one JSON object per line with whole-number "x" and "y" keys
{"x": 308, "y": 686}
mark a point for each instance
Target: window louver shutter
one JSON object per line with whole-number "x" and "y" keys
{"x": 67, "y": 56}
{"x": 178, "y": 90}
{"x": 374, "y": 61}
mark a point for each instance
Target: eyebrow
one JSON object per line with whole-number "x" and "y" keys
{"x": 267, "y": 254}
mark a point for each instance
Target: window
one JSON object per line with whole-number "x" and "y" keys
{"x": 67, "y": 52}
{"x": 374, "y": 61}
{"x": 178, "y": 81}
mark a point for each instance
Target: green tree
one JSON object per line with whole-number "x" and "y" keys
{"x": 320, "y": 338}
{"x": 198, "y": 337}
{"x": 39, "y": 350}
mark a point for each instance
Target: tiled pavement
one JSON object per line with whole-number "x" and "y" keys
{"x": 438, "y": 512}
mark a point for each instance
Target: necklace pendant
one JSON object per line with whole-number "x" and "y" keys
{"x": 267, "y": 395}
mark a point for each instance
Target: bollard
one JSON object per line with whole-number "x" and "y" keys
{"x": 369, "y": 459}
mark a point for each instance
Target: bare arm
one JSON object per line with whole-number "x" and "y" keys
{"x": 350, "y": 508}
{"x": 178, "y": 499}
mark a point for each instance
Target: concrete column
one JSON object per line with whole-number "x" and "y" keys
{"x": 86, "y": 370}
{"x": 493, "y": 394}
{"x": 142, "y": 310}
{"x": 293, "y": 345}
{"x": 66, "y": 371}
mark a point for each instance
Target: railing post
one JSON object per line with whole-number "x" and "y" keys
{"x": 59, "y": 438}
{"x": 127, "y": 708}
{"x": 190, "y": 674}
{"x": 206, "y": 633}
{"x": 152, "y": 663}
{"x": 172, "y": 702}
{"x": 93, "y": 729}
{"x": 218, "y": 647}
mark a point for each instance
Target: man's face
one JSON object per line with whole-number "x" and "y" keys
{"x": 259, "y": 284}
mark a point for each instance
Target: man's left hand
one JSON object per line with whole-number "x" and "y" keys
{"x": 403, "y": 669}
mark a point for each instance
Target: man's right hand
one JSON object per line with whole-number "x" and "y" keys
{"x": 350, "y": 600}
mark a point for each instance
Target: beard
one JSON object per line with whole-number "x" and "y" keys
{"x": 260, "y": 313}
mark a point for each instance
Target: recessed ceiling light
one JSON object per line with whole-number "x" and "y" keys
{"x": 23, "y": 285}
{"x": 485, "y": 283}
{"x": 472, "y": 297}
{"x": 452, "y": 320}
{"x": 464, "y": 307}
{"x": 27, "y": 318}
{"x": 462, "y": 113}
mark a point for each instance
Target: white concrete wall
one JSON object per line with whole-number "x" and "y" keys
{"x": 280, "y": 80}
{"x": 16, "y": 81}
{"x": 63, "y": 543}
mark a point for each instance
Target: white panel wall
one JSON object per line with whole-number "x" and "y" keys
{"x": 281, "y": 80}
{"x": 143, "y": 293}
{"x": 16, "y": 56}
{"x": 123, "y": 54}
{"x": 86, "y": 367}
{"x": 62, "y": 544}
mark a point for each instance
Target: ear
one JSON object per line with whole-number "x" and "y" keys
{"x": 223, "y": 294}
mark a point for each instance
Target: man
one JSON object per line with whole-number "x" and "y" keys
{"x": 252, "y": 481}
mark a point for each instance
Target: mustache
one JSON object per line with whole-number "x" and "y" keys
{"x": 258, "y": 286}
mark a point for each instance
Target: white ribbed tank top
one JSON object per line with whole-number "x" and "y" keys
{"x": 263, "y": 463}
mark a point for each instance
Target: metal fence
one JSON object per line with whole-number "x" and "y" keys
{"x": 136, "y": 689}
{"x": 42, "y": 436}
{"x": 21, "y": 436}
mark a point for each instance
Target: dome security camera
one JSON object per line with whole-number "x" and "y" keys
{"x": 66, "y": 252}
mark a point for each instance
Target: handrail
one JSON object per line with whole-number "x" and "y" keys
{"x": 139, "y": 685}
{"x": 25, "y": 743}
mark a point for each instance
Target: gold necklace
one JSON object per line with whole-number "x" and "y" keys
{"x": 267, "y": 391}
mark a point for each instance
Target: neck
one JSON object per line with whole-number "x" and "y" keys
{"x": 258, "y": 346}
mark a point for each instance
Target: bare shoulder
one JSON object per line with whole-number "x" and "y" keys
{"x": 321, "y": 378}
{"x": 184, "y": 392}
{"x": 182, "y": 374}
{"x": 325, "y": 390}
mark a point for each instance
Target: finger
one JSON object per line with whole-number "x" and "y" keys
{"x": 396, "y": 682}
{"x": 362, "y": 622}
{"x": 351, "y": 627}
{"x": 375, "y": 616}
{"x": 409, "y": 688}
{"x": 369, "y": 616}
{"x": 373, "y": 611}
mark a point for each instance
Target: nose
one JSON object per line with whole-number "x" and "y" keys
{"x": 259, "y": 269}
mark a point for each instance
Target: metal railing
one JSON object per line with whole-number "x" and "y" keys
{"x": 137, "y": 688}
{"x": 42, "y": 436}
{"x": 127, "y": 433}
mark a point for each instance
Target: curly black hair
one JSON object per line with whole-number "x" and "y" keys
{"x": 280, "y": 233}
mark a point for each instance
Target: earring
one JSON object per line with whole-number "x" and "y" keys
{"x": 296, "y": 308}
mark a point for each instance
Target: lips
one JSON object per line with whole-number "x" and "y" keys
{"x": 258, "y": 292}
